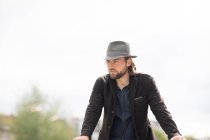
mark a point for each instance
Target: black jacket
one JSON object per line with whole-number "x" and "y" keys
{"x": 143, "y": 93}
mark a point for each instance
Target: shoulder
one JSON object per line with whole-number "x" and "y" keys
{"x": 143, "y": 76}
{"x": 102, "y": 82}
{"x": 145, "y": 80}
{"x": 103, "y": 79}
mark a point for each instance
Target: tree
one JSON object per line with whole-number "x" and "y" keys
{"x": 36, "y": 120}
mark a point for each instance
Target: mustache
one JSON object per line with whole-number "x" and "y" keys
{"x": 111, "y": 69}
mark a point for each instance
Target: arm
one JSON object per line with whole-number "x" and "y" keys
{"x": 160, "y": 111}
{"x": 94, "y": 109}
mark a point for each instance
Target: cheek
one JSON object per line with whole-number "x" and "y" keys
{"x": 121, "y": 68}
{"x": 110, "y": 67}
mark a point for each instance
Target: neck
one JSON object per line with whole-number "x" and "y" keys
{"x": 123, "y": 81}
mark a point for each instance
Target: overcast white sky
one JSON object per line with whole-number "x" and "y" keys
{"x": 59, "y": 46}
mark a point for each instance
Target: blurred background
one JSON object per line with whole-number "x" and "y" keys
{"x": 52, "y": 51}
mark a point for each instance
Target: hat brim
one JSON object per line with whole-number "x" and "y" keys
{"x": 111, "y": 58}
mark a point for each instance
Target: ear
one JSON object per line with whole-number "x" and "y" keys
{"x": 129, "y": 62}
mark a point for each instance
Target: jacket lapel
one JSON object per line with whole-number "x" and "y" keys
{"x": 113, "y": 91}
{"x": 133, "y": 88}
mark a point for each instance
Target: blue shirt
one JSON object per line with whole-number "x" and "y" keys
{"x": 122, "y": 128}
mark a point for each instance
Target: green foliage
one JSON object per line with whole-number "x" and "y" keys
{"x": 37, "y": 121}
{"x": 6, "y": 120}
{"x": 159, "y": 134}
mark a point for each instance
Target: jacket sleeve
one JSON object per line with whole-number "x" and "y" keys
{"x": 160, "y": 111}
{"x": 94, "y": 109}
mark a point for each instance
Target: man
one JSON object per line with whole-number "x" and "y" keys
{"x": 125, "y": 96}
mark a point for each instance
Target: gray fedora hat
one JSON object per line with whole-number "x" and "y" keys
{"x": 117, "y": 49}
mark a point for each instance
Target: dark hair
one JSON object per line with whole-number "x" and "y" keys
{"x": 132, "y": 67}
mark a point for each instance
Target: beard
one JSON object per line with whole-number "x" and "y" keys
{"x": 118, "y": 75}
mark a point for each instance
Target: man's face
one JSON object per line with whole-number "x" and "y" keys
{"x": 117, "y": 67}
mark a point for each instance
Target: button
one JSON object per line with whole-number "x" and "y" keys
{"x": 112, "y": 111}
{"x": 109, "y": 127}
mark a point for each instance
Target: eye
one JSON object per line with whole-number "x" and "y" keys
{"x": 115, "y": 61}
{"x": 107, "y": 61}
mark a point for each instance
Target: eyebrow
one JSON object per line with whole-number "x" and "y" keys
{"x": 117, "y": 59}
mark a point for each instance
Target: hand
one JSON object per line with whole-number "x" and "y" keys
{"x": 81, "y": 138}
{"x": 179, "y": 137}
